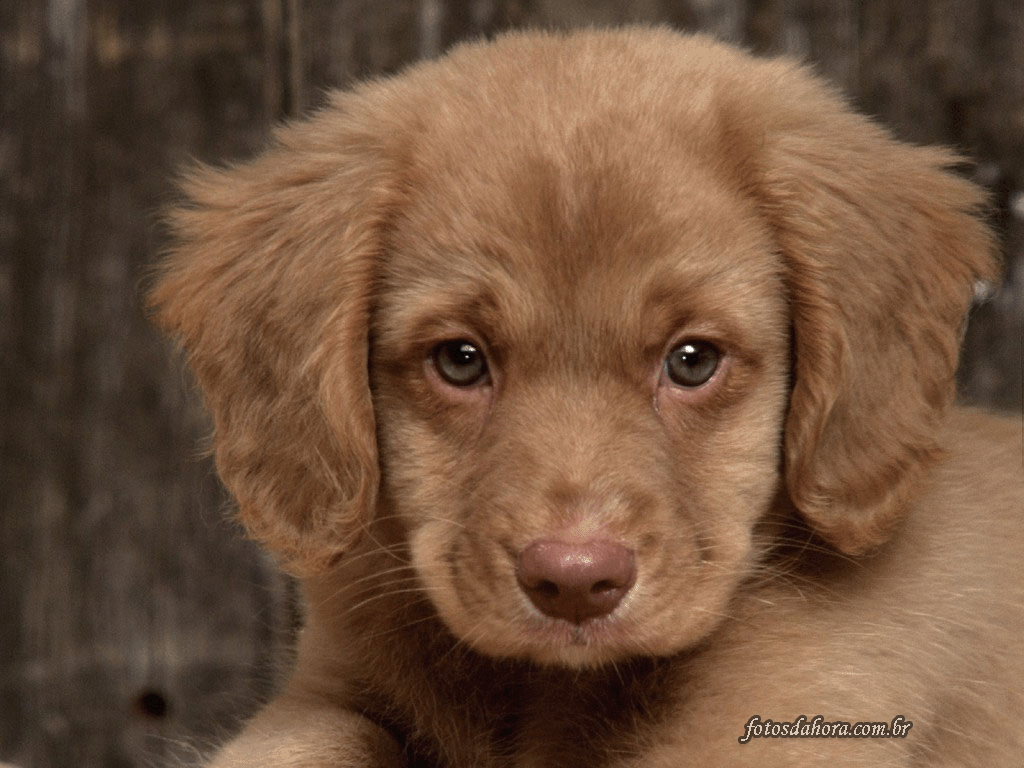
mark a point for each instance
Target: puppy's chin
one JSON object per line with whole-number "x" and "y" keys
{"x": 595, "y": 643}
{"x": 561, "y": 644}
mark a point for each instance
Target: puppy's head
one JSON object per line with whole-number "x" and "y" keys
{"x": 577, "y": 311}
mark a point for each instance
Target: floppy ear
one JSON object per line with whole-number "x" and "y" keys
{"x": 268, "y": 290}
{"x": 882, "y": 246}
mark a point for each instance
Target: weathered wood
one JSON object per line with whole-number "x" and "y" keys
{"x": 132, "y": 611}
{"x": 134, "y": 621}
{"x": 948, "y": 72}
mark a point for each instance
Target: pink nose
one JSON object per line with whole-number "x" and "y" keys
{"x": 576, "y": 582}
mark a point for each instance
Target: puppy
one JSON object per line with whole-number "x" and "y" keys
{"x": 597, "y": 387}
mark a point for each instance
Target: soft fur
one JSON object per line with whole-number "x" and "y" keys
{"x": 816, "y": 530}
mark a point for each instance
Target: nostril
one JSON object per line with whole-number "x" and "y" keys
{"x": 576, "y": 581}
{"x": 546, "y": 589}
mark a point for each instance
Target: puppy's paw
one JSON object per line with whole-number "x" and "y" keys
{"x": 288, "y": 735}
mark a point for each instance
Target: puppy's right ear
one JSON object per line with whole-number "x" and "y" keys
{"x": 268, "y": 288}
{"x": 882, "y": 245}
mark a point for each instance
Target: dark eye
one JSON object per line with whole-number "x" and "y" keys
{"x": 692, "y": 363}
{"x": 460, "y": 362}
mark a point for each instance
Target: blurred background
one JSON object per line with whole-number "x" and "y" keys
{"x": 136, "y": 625}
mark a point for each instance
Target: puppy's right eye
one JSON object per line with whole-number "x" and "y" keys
{"x": 460, "y": 362}
{"x": 692, "y": 363}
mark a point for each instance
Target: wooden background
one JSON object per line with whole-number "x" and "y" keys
{"x": 133, "y": 621}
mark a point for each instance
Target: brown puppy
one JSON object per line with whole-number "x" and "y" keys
{"x": 597, "y": 387}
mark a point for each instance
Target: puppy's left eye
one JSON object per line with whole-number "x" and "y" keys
{"x": 460, "y": 362}
{"x": 692, "y": 363}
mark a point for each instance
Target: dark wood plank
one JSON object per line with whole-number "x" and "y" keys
{"x": 139, "y": 617}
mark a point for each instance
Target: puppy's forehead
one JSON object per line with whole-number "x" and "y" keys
{"x": 553, "y": 200}
{"x": 584, "y": 223}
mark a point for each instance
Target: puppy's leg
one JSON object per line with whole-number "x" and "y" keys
{"x": 289, "y": 734}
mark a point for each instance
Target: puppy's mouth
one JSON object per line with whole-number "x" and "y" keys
{"x": 590, "y": 643}
{"x": 579, "y": 637}
{"x": 589, "y": 634}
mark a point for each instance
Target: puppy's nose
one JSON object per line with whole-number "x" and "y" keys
{"x": 576, "y": 581}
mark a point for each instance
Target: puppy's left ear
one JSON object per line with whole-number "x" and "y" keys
{"x": 883, "y": 245}
{"x": 268, "y": 289}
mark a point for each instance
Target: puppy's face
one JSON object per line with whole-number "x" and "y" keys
{"x": 575, "y": 310}
{"x": 589, "y": 357}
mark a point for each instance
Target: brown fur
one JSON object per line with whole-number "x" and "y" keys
{"x": 816, "y": 531}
